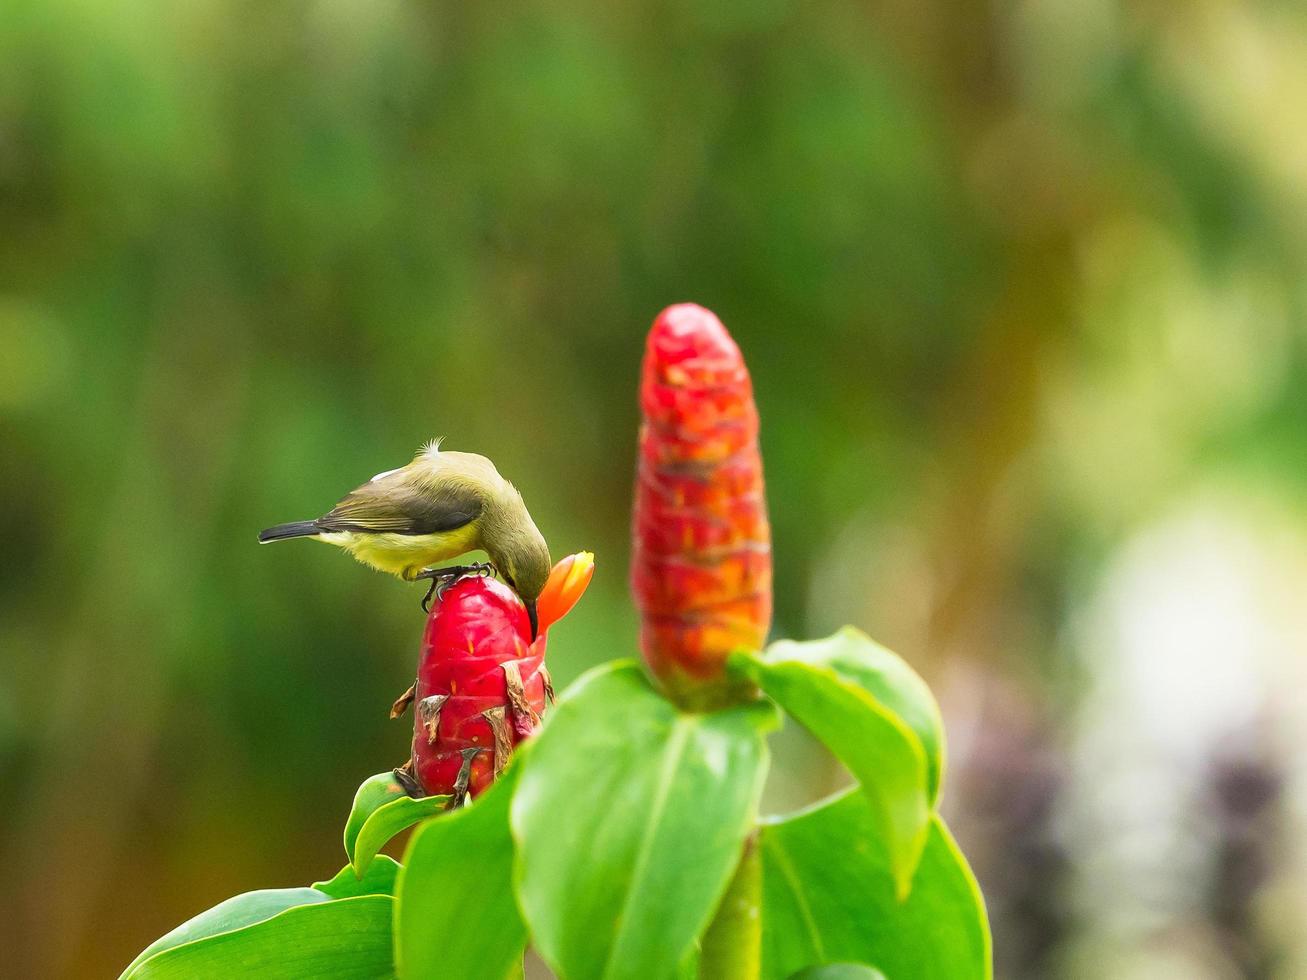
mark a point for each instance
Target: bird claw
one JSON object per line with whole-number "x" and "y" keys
{"x": 443, "y": 578}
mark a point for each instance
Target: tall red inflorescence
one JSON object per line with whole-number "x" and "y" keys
{"x": 482, "y": 685}
{"x": 701, "y": 566}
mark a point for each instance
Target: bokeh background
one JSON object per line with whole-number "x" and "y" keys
{"x": 1023, "y": 286}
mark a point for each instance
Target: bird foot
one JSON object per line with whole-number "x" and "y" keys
{"x": 442, "y": 578}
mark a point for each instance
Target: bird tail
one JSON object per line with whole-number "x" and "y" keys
{"x": 296, "y": 529}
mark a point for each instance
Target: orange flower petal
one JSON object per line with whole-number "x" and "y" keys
{"x": 567, "y": 583}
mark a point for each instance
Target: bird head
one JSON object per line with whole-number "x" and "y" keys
{"x": 522, "y": 558}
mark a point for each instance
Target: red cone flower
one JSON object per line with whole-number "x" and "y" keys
{"x": 701, "y": 567}
{"x": 482, "y": 684}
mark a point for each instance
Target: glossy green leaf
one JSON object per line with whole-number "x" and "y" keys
{"x": 886, "y": 676}
{"x": 382, "y": 808}
{"x": 838, "y": 971}
{"x": 378, "y": 880}
{"x": 234, "y": 913}
{"x": 824, "y": 899}
{"x": 456, "y": 915}
{"x": 630, "y": 817}
{"x": 349, "y": 939}
{"x": 373, "y": 792}
{"x": 878, "y": 747}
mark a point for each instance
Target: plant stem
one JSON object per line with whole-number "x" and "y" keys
{"x": 732, "y": 946}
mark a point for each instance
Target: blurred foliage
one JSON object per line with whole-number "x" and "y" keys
{"x": 1013, "y": 280}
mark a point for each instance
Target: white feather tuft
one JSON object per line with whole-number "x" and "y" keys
{"x": 432, "y": 448}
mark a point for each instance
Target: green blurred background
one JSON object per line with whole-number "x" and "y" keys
{"x": 1022, "y": 286}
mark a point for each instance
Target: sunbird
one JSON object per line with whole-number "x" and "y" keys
{"x": 440, "y": 506}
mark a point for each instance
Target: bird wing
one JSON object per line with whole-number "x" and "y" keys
{"x": 396, "y": 505}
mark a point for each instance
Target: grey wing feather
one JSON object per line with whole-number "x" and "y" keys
{"x": 395, "y": 506}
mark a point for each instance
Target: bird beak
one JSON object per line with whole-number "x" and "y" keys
{"x": 531, "y": 615}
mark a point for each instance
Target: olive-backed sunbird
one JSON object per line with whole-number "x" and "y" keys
{"x": 438, "y": 507}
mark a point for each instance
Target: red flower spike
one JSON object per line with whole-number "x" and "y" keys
{"x": 482, "y": 685}
{"x": 701, "y": 564}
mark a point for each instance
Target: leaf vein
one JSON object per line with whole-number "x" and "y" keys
{"x": 786, "y": 868}
{"x": 676, "y": 746}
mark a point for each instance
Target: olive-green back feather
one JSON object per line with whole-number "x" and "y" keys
{"x": 434, "y": 493}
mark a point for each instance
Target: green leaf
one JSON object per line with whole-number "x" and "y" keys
{"x": 379, "y": 880}
{"x": 234, "y": 913}
{"x": 838, "y": 971}
{"x": 886, "y": 676}
{"x": 732, "y": 946}
{"x": 824, "y": 901}
{"x": 881, "y": 751}
{"x": 382, "y": 808}
{"x": 347, "y": 939}
{"x": 630, "y": 817}
{"x": 456, "y": 915}
{"x": 689, "y": 968}
{"x": 373, "y": 792}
